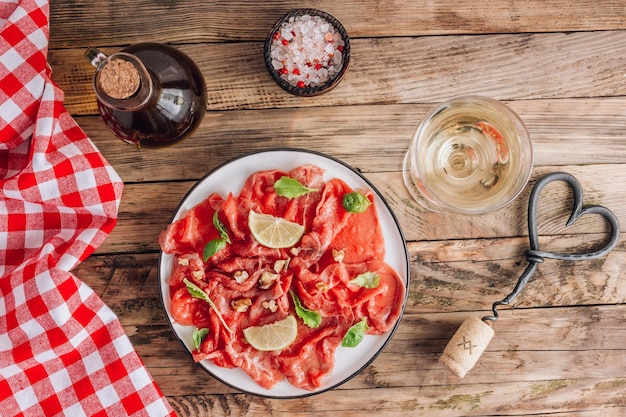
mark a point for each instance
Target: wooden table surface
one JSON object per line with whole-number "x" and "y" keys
{"x": 560, "y": 64}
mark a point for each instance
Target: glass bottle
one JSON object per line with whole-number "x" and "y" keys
{"x": 149, "y": 94}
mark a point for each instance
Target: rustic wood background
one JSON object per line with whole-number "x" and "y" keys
{"x": 561, "y": 65}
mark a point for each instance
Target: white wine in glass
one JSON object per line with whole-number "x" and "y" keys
{"x": 470, "y": 155}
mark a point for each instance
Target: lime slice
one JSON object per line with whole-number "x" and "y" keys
{"x": 273, "y": 336}
{"x": 274, "y": 232}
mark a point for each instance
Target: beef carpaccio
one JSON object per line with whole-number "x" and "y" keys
{"x": 337, "y": 246}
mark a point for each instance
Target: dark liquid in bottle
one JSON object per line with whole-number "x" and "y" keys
{"x": 175, "y": 110}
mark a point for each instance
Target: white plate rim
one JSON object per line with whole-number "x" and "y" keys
{"x": 274, "y": 158}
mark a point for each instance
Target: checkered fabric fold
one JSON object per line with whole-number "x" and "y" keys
{"x": 62, "y": 351}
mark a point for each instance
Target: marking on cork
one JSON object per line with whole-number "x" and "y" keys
{"x": 467, "y": 345}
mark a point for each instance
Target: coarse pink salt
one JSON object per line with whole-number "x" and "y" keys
{"x": 307, "y": 51}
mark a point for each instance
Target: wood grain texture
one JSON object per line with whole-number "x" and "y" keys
{"x": 399, "y": 70}
{"x": 147, "y": 208}
{"x": 128, "y": 283}
{"x": 564, "y": 132}
{"x": 188, "y": 21}
{"x": 559, "y": 348}
{"x": 512, "y": 375}
{"x": 534, "y": 361}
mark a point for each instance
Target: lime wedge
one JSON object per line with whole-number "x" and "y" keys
{"x": 274, "y": 232}
{"x": 274, "y": 336}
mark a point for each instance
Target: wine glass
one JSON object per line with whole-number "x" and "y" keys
{"x": 469, "y": 155}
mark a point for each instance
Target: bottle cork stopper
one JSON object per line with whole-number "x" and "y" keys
{"x": 119, "y": 79}
{"x": 466, "y": 346}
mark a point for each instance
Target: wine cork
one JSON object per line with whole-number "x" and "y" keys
{"x": 119, "y": 79}
{"x": 466, "y": 346}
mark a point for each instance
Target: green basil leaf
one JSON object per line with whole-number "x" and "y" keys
{"x": 366, "y": 280}
{"x": 355, "y": 202}
{"x": 355, "y": 334}
{"x": 196, "y": 292}
{"x": 217, "y": 244}
{"x": 313, "y": 319}
{"x": 220, "y": 228}
{"x": 199, "y": 293}
{"x": 213, "y": 247}
{"x": 291, "y": 188}
{"x": 198, "y": 336}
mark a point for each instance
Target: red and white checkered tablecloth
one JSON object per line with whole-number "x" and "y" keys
{"x": 62, "y": 351}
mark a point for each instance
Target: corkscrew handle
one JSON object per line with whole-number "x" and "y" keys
{"x": 535, "y": 256}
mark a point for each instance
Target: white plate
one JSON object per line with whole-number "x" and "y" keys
{"x": 230, "y": 177}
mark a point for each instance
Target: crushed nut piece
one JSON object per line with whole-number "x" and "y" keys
{"x": 241, "y": 276}
{"x": 322, "y": 286}
{"x": 280, "y": 265}
{"x": 183, "y": 261}
{"x": 198, "y": 275}
{"x": 270, "y": 305}
{"x": 295, "y": 251}
{"x": 241, "y": 305}
{"x": 338, "y": 255}
{"x": 267, "y": 279}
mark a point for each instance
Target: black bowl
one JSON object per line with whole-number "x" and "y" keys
{"x": 307, "y": 91}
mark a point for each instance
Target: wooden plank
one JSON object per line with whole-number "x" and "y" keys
{"x": 553, "y": 209}
{"x": 564, "y": 132}
{"x": 535, "y": 362}
{"x": 558, "y": 350}
{"x": 529, "y": 345}
{"x": 474, "y": 285}
{"x": 398, "y": 70}
{"x": 146, "y": 209}
{"x": 495, "y": 399}
{"x": 128, "y": 283}
{"x": 189, "y": 21}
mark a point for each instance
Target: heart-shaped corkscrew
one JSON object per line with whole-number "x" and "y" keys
{"x": 472, "y": 338}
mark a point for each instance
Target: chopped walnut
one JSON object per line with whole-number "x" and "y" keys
{"x": 198, "y": 274}
{"x": 270, "y": 305}
{"x": 281, "y": 265}
{"x": 241, "y": 276}
{"x": 267, "y": 279}
{"x": 241, "y": 305}
{"x": 183, "y": 261}
{"x": 322, "y": 286}
{"x": 295, "y": 251}
{"x": 338, "y": 255}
